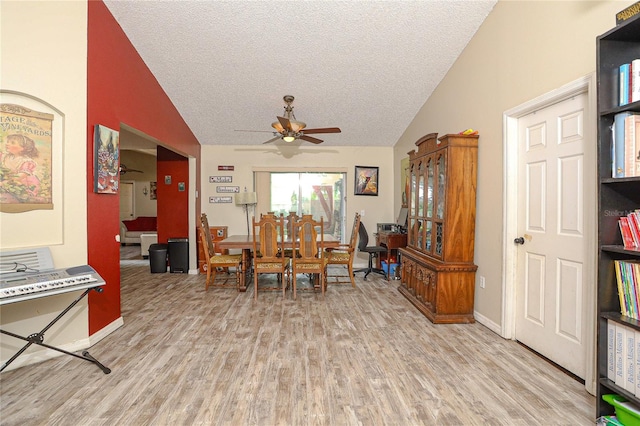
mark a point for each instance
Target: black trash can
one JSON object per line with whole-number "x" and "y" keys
{"x": 178, "y": 255}
{"x": 158, "y": 258}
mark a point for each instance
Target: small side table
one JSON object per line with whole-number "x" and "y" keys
{"x": 145, "y": 241}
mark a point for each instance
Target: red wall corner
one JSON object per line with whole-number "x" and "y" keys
{"x": 121, "y": 89}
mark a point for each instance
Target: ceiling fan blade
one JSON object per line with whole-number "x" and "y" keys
{"x": 311, "y": 139}
{"x": 273, "y": 139}
{"x": 322, "y": 130}
{"x": 286, "y": 124}
{"x": 124, "y": 169}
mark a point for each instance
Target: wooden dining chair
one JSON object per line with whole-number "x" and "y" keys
{"x": 310, "y": 256}
{"x": 343, "y": 255}
{"x": 268, "y": 253}
{"x": 290, "y": 222}
{"x": 216, "y": 261}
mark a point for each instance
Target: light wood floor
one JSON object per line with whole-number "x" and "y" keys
{"x": 362, "y": 356}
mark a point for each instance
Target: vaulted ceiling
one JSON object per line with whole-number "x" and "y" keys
{"x": 364, "y": 66}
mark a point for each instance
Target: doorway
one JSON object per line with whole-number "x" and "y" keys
{"x": 549, "y": 193}
{"x": 126, "y": 200}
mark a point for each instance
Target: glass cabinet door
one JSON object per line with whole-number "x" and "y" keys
{"x": 420, "y": 190}
{"x": 411, "y": 232}
{"x": 441, "y": 179}
{"x": 428, "y": 246}
{"x": 429, "y": 188}
{"x": 441, "y": 186}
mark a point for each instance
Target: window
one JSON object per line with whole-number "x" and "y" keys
{"x": 318, "y": 194}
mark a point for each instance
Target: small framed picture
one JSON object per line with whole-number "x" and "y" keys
{"x": 366, "y": 180}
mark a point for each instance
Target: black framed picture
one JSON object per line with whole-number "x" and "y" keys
{"x": 366, "y": 180}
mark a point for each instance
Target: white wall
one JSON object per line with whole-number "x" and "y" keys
{"x": 43, "y": 53}
{"x": 524, "y": 49}
{"x": 246, "y": 160}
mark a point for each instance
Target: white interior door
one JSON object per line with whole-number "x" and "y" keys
{"x": 126, "y": 200}
{"x": 551, "y": 278}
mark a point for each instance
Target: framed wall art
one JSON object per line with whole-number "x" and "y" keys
{"x": 25, "y": 159}
{"x": 366, "y": 182}
{"x": 106, "y": 173}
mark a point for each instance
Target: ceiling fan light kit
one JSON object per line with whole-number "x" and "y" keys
{"x": 289, "y": 129}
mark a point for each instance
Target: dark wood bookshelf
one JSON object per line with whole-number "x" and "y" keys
{"x": 616, "y": 197}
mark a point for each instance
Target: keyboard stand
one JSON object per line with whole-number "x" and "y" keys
{"x": 38, "y": 338}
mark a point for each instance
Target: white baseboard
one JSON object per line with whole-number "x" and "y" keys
{"x": 96, "y": 337}
{"x": 488, "y": 323}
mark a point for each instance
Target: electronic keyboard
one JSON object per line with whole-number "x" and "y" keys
{"x": 46, "y": 283}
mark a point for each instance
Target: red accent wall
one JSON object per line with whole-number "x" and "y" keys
{"x": 173, "y": 222}
{"x": 121, "y": 89}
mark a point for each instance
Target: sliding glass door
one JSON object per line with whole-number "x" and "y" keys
{"x": 318, "y": 194}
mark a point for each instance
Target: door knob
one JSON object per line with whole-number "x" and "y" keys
{"x": 519, "y": 240}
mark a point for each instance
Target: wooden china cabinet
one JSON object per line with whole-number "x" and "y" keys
{"x": 438, "y": 273}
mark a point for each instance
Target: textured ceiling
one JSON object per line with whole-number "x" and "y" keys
{"x": 364, "y": 66}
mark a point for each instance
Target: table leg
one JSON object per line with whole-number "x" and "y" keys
{"x": 245, "y": 268}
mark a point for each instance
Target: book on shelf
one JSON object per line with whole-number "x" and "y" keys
{"x": 625, "y": 76}
{"x": 621, "y": 292}
{"x": 636, "y": 392}
{"x": 629, "y": 82}
{"x": 630, "y": 291}
{"x": 632, "y": 145}
{"x": 634, "y": 224}
{"x": 623, "y": 359}
{"x": 630, "y": 230}
{"x": 629, "y": 359}
{"x": 628, "y": 283}
{"x": 619, "y": 361}
{"x": 611, "y": 351}
{"x": 625, "y": 230}
{"x": 635, "y": 80}
{"x": 620, "y": 146}
{"x": 618, "y": 140}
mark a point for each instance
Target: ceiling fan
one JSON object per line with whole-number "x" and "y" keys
{"x": 124, "y": 169}
{"x": 288, "y": 128}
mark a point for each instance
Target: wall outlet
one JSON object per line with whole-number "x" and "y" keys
{"x": 482, "y": 282}
{"x": 361, "y": 213}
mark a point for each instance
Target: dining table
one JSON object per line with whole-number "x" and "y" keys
{"x": 244, "y": 242}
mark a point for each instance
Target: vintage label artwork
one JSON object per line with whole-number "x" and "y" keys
{"x": 106, "y": 173}
{"x": 25, "y": 159}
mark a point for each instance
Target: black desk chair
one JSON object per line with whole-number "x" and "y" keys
{"x": 373, "y": 252}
